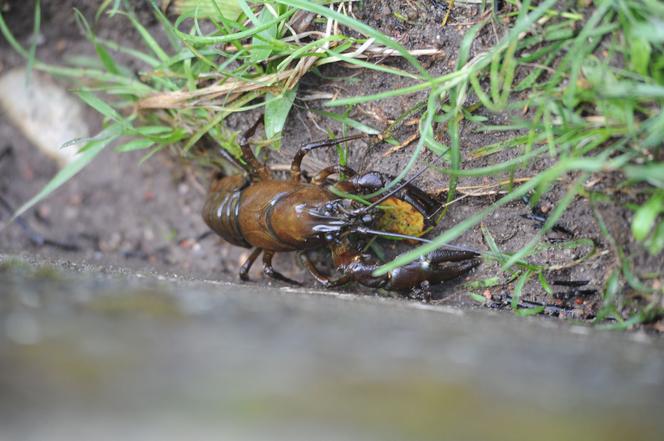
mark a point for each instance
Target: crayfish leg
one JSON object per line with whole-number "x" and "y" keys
{"x": 296, "y": 165}
{"x": 257, "y": 170}
{"x": 321, "y": 278}
{"x": 246, "y": 266}
{"x": 322, "y": 175}
{"x": 270, "y": 272}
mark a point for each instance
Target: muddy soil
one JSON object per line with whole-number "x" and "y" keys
{"x": 117, "y": 212}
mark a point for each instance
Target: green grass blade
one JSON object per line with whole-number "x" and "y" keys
{"x": 644, "y": 219}
{"x": 518, "y": 288}
{"x": 360, "y": 27}
{"x": 99, "y": 105}
{"x": 277, "y": 109}
{"x": 228, "y": 9}
{"x": 135, "y": 144}
{"x": 349, "y": 122}
{"x": 148, "y": 39}
{"x": 35, "y": 34}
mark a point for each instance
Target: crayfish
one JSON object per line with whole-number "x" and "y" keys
{"x": 255, "y": 210}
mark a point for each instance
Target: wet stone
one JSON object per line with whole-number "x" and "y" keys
{"x": 119, "y": 355}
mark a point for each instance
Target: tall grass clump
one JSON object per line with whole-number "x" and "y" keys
{"x": 594, "y": 91}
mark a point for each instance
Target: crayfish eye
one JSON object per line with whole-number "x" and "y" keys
{"x": 367, "y": 219}
{"x": 329, "y": 237}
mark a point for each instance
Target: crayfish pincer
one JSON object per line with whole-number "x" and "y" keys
{"x": 255, "y": 210}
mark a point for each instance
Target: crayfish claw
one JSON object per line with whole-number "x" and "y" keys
{"x": 434, "y": 268}
{"x": 449, "y": 255}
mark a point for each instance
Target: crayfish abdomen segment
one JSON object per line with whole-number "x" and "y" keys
{"x": 221, "y": 208}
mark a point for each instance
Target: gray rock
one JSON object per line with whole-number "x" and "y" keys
{"x": 47, "y": 115}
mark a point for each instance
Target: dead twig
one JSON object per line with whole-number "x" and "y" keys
{"x": 289, "y": 77}
{"x": 411, "y": 139}
{"x": 484, "y": 189}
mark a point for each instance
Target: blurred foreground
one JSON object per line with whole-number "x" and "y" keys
{"x": 87, "y": 353}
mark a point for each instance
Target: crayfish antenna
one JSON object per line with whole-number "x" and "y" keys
{"x": 365, "y": 230}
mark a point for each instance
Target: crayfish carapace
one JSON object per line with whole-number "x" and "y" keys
{"x": 268, "y": 215}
